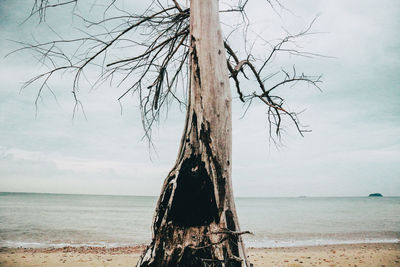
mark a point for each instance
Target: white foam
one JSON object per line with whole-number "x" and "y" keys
{"x": 314, "y": 242}
{"x": 22, "y": 244}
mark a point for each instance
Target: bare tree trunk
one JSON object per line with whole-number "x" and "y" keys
{"x": 195, "y": 222}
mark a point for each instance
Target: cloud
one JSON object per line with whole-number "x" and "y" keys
{"x": 44, "y": 171}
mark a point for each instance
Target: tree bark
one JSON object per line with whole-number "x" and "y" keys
{"x": 195, "y": 222}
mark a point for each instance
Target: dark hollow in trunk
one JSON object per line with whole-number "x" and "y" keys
{"x": 194, "y": 200}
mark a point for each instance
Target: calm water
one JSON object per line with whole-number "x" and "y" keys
{"x": 42, "y": 220}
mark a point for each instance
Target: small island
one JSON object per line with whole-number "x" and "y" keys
{"x": 375, "y": 195}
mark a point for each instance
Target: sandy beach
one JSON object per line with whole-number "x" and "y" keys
{"x": 355, "y": 255}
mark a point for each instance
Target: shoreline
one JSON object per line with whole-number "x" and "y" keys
{"x": 248, "y": 244}
{"x": 367, "y": 254}
{"x": 139, "y": 248}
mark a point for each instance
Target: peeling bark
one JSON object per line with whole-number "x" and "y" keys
{"x": 195, "y": 222}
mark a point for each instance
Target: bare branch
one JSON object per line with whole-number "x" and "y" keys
{"x": 257, "y": 68}
{"x": 160, "y": 40}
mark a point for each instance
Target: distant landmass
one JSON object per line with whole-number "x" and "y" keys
{"x": 375, "y": 195}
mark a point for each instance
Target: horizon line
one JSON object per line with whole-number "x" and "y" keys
{"x": 124, "y": 195}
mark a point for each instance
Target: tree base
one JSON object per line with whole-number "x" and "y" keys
{"x": 195, "y": 250}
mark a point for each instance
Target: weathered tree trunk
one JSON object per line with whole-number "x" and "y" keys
{"x": 195, "y": 222}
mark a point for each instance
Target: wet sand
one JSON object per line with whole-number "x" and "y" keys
{"x": 354, "y": 255}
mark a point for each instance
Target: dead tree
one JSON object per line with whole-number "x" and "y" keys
{"x": 195, "y": 222}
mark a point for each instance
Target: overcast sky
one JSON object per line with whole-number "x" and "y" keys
{"x": 353, "y": 149}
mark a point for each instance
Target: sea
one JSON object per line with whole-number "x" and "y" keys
{"x": 33, "y": 220}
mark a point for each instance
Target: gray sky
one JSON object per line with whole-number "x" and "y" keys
{"x": 353, "y": 149}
